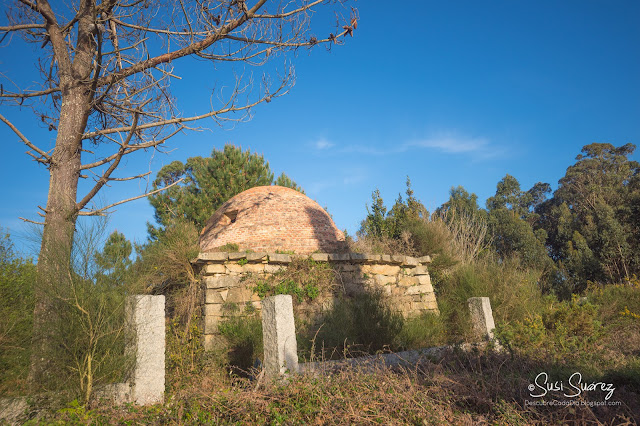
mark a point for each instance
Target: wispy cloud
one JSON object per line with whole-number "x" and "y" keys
{"x": 322, "y": 143}
{"x": 452, "y": 144}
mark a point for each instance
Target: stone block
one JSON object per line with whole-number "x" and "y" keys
{"x": 385, "y": 258}
{"x": 279, "y": 336}
{"x": 234, "y": 268}
{"x": 237, "y": 255}
{"x": 397, "y": 258}
{"x": 408, "y": 281}
{"x": 256, "y": 257}
{"x": 211, "y": 324}
{"x": 418, "y": 270}
{"x": 272, "y": 269}
{"x": 254, "y": 268}
{"x": 213, "y": 309}
{"x": 214, "y": 268}
{"x": 223, "y": 281}
{"x": 410, "y": 261}
{"x": 216, "y": 295}
{"x": 424, "y": 259}
{"x": 384, "y": 279}
{"x": 279, "y": 258}
{"x": 320, "y": 257}
{"x": 239, "y": 295}
{"x": 419, "y": 289}
{"x": 424, "y": 279}
{"x": 347, "y": 267}
{"x": 481, "y": 317}
{"x": 339, "y": 257}
{"x": 216, "y": 256}
{"x": 385, "y": 269}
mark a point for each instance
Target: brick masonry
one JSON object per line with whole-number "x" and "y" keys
{"x": 270, "y": 218}
{"x": 404, "y": 279}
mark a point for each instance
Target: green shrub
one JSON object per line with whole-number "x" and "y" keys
{"x": 242, "y": 333}
{"x": 17, "y": 277}
{"x": 363, "y": 323}
{"x": 424, "y": 331}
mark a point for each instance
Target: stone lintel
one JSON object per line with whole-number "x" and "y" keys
{"x": 339, "y": 257}
{"x": 279, "y": 258}
{"x": 222, "y": 281}
{"x": 212, "y": 256}
{"x": 256, "y": 257}
{"x": 320, "y": 257}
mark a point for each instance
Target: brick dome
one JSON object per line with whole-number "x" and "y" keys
{"x": 269, "y": 218}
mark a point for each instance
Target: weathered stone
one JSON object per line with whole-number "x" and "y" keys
{"x": 481, "y": 317}
{"x": 397, "y": 258}
{"x": 385, "y": 258}
{"x": 234, "y": 268}
{"x": 419, "y": 289}
{"x": 237, "y": 256}
{"x": 214, "y": 268}
{"x": 272, "y": 269}
{"x": 347, "y": 267}
{"x": 411, "y": 261}
{"x": 341, "y": 257}
{"x": 217, "y": 256}
{"x": 418, "y": 270}
{"x": 216, "y": 296}
{"x": 147, "y": 318}
{"x": 424, "y": 259}
{"x": 385, "y": 269}
{"x": 407, "y": 281}
{"x": 279, "y": 336}
{"x": 384, "y": 279}
{"x": 279, "y": 258}
{"x": 211, "y": 324}
{"x": 213, "y": 309}
{"x": 223, "y": 281}
{"x": 239, "y": 295}
{"x": 320, "y": 257}
{"x": 256, "y": 257}
{"x": 424, "y": 279}
{"x": 254, "y": 268}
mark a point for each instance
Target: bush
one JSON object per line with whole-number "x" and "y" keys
{"x": 17, "y": 277}
{"x": 242, "y": 333}
{"x": 363, "y": 323}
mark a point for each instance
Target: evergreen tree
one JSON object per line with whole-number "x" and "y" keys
{"x": 592, "y": 219}
{"x": 208, "y": 183}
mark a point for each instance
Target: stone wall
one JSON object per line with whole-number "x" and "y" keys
{"x": 404, "y": 279}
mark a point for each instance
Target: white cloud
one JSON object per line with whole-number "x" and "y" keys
{"x": 322, "y": 143}
{"x": 452, "y": 144}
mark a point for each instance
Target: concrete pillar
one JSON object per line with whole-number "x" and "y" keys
{"x": 146, "y": 319}
{"x": 481, "y": 317}
{"x": 279, "y": 336}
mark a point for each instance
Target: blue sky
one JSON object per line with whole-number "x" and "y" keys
{"x": 448, "y": 93}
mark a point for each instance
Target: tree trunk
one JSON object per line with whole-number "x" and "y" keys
{"x": 54, "y": 262}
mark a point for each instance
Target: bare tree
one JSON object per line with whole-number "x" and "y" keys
{"x": 106, "y": 68}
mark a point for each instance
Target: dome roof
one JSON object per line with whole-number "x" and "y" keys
{"x": 269, "y": 218}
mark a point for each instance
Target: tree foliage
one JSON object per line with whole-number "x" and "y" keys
{"x": 208, "y": 183}
{"x": 592, "y": 219}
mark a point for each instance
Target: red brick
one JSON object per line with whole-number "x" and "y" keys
{"x": 269, "y": 218}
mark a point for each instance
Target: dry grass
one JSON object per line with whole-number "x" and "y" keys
{"x": 464, "y": 388}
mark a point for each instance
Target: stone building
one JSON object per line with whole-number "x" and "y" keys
{"x": 272, "y": 226}
{"x": 270, "y": 218}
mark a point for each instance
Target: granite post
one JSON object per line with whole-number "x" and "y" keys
{"x": 481, "y": 317}
{"x": 279, "y": 336}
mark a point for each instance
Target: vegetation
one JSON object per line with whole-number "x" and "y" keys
{"x": 204, "y": 184}
{"x": 553, "y": 313}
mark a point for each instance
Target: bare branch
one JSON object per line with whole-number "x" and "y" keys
{"x": 31, "y": 221}
{"x": 19, "y": 27}
{"x": 101, "y": 212}
{"x": 44, "y": 155}
{"x": 105, "y": 176}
